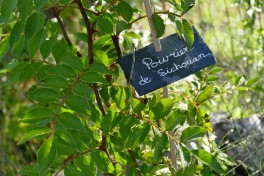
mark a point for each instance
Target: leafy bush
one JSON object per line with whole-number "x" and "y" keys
{"x": 77, "y": 113}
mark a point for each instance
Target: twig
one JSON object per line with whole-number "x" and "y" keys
{"x": 63, "y": 30}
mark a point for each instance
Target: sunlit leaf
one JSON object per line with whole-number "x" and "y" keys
{"x": 93, "y": 77}
{"x": 177, "y": 117}
{"x": 209, "y": 160}
{"x": 124, "y": 10}
{"x": 252, "y": 81}
{"x": 37, "y": 115}
{"x": 34, "y": 133}
{"x": 46, "y": 155}
{"x": 162, "y": 109}
{"x": 159, "y": 144}
{"x": 205, "y": 94}
{"x": 77, "y": 103}
{"x": 192, "y": 132}
{"x": 188, "y": 33}
{"x": 71, "y": 121}
{"x": 100, "y": 68}
{"x": 105, "y": 23}
{"x": 159, "y": 25}
{"x": 45, "y": 95}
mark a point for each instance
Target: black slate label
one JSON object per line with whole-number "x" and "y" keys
{"x": 153, "y": 70}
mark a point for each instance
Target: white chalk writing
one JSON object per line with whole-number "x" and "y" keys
{"x": 151, "y": 64}
{"x": 144, "y": 81}
{"x": 175, "y": 67}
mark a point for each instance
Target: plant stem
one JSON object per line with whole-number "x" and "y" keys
{"x": 63, "y": 30}
{"x": 89, "y": 29}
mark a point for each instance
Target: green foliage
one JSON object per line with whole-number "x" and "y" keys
{"x": 59, "y": 75}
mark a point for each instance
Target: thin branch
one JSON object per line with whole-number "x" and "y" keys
{"x": 109, "y": 5}
{"x": 89, "y": 30}
{"x": 168, "y": 12}
{"x": 115, "y": 40}
{"x": 63, "y": 30}
{"x": 145, "y": 16}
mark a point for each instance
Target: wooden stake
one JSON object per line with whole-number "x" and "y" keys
{"x": 158, "y": 48}
{"x": 156, "y": 41}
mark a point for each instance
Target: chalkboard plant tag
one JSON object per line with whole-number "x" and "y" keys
{"x": 153, "y": 70}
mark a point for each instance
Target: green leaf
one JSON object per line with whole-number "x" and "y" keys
{"x": 177, "y": 117}
{"x": 59, "y": 50}
{"x": 187, "y": 5}
{"x": 240, "y": 80}
{"x": 46, "y": 155}
{"x": 159, "y": 25}
{"x": 132, "y": 35}
{"x": 47, "y": 46}
{"x": 34, "y": 23}
{"x": 77, "y": 103}
{"x": 186, "y": 153}
{"x": 7, "y": 7}
{"x": 99, "y": 68}
{"x": 25, "y": 8}
{"x": 100, "y": 57}
{"x": 17, "y": 32}
{"x": 55, "y": 81}
{"x": 176, "y": 4}
{"x": 125, "y": 10}
{"x": 93, "y": 77}
{"x": 107, "y": 122}
{"x": 37, "y": 115}
{"x": 252, "y": 81}
{"x": 84, "y": 91}
{"x": 35, "y": 42}
{"x": 216, "y": 70}
{"x": 71, "y": 121}
{"x": 105, "y": 23}
{"x": 9, "y": 66}
{"x": 138, "y": 105}
{"x": 31, "y": 170}
{"x": 71, "y": 170}
{"x": 74, "y": 62}
{"x": 179, "y": 27}
{"x": 102, "y": 40}
{"x": 101, "y": 160}
{"x": 29, "y": 71}
{"x": 139, "y": 134}
{"x": 64, "y": 70}
{"x": 209, "y": 160}
{"x": 212, "y": 78}
{"x": 162, "y": 109}
{"x": 40, "y": 3}
{"x": 14, "y": 74}
{"x": 18, "y": 49}
{"x": 159, "y": 144}
{"x": 86, "y": 165}
{"x": 192, "y": 132}
{"x": 188, "y": 33}
{"x": 121, "y": 26}
{"x": 4, "y": 48}
{"x": 39, "y": 131}
{"x": 190, "y": 170}
{"x": 45, "y": 95}
{"x": 120, "y": 96}
{"x": 205, "y": 94}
